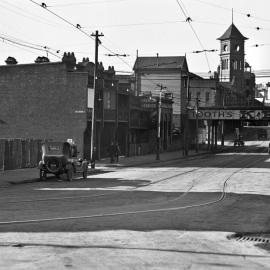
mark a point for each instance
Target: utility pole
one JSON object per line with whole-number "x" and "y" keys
{"x": 197, "y": 126}
{"x": 159, "y": 120}
{"x": 97, "y": 42}
{"x": 222, "y": 121}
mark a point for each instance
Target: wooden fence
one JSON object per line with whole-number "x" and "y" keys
{"x": 19, "y": 153}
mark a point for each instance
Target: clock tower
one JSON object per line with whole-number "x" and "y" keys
{"x": 232, "y": 58}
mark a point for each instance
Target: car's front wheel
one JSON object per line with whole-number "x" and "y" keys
{"x": 42, "y": 175}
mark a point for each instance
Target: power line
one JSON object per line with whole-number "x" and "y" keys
{"x": 21, "y": 12}
{"x": 78, "y": 27}
{"x": 248, "y": 15}
{"x": 138, "y": 24}
{"x": 189, "y": 20}
{"x": 28, "y": 46}
{"x": 86, "y": 3}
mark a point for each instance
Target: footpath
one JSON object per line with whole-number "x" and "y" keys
{"x": 30, "y": 175}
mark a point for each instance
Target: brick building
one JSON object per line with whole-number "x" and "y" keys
{"x": 43, "y": 101}
{"x": 46, "y": 100}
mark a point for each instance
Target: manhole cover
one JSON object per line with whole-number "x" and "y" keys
{"x": 261, "y": 238}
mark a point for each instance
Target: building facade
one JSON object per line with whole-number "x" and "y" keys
{"x": 48, "y": 101}
{"x": 166, "y": 73}
{"x": 43, "y": 101}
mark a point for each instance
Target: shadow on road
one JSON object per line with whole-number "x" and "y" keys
{"x": 146, "y": 211}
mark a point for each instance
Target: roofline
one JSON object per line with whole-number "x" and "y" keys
{"x": 31, "y": 64}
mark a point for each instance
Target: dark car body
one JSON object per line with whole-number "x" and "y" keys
{"x": 262, "y": 134}
{"x": 61, "y": 158}
{"x": 239, "y": 141}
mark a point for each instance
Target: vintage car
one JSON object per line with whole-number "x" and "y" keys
{"x": 61, "y": 158}
{"x": 239, "y": 141}
{"x": 262, "y": 134}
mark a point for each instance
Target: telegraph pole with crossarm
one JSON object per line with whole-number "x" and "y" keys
{"x": 97, "y": 43}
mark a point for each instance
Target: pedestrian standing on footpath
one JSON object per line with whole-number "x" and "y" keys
{"x": 111, "y": 150}
{"x": 116, "y": 151}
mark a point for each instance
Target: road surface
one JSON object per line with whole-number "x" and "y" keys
{"x": 179, "y": 214}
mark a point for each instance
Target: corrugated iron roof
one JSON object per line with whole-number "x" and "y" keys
{"x": 161, "y": 62}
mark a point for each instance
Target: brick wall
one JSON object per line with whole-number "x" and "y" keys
{"x": 43, "y": 101}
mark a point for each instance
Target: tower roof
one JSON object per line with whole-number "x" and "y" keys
{"x": 232, "y": 32}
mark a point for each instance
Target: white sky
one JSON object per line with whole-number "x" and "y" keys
{"x": 156, "y": 29}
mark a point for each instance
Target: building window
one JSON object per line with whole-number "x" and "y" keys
{"x": 185, "y": 82}
{"x": 224, "y": 63}
{"x": 109, "y": 100}
{"x": 225, "y": 48}
{"x": 234, "y": 64}
{"x": 207, "y": 96}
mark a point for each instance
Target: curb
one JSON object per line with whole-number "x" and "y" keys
{"x": 97, "y": 171}
{"x": 36, "y": 179}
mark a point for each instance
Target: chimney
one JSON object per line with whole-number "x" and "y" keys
{"x": 42, "y": 59}
{"x": 70, "y": 60}
{"x": 11, "y": 61}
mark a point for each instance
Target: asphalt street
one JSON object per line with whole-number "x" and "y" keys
{"x": 199, "y": 203}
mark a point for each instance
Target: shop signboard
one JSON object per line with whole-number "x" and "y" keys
{"x": 226, "y": 114}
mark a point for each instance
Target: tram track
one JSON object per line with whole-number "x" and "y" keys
{"x": 117, "y": 191}
{"x": 161, "y": 209}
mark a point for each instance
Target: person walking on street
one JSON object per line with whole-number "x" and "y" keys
{"x": 117, "y": 151}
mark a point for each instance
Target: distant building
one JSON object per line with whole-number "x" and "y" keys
{"x": 237, "y": 82}
{"x": 232, "y": 57}
{"x": 171, "y": 72}
{"x": 48, "y": 101}
{"x": 202, "y": 92}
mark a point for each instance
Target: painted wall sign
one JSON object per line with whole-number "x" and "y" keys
{"x": 215, "y": 114}
{"x": 208, "y": 114}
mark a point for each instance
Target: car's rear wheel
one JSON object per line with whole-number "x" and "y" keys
{"x": 42, "y": 175}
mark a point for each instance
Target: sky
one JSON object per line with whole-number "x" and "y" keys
{"x": 146, "y": 27}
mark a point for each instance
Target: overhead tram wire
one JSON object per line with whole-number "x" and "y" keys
{"x": 47, "y": 48}
{"x": 78, "y": 27}
{"x": 23, "y": 15}
{"x": 139, "y": 24}
{"x": 43, "y": 5}
{"x": 28, "y": 46}
{"x": 86, "y": 3}
{"x": 249, "y": 15}
{"x": 189, "y": 20}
